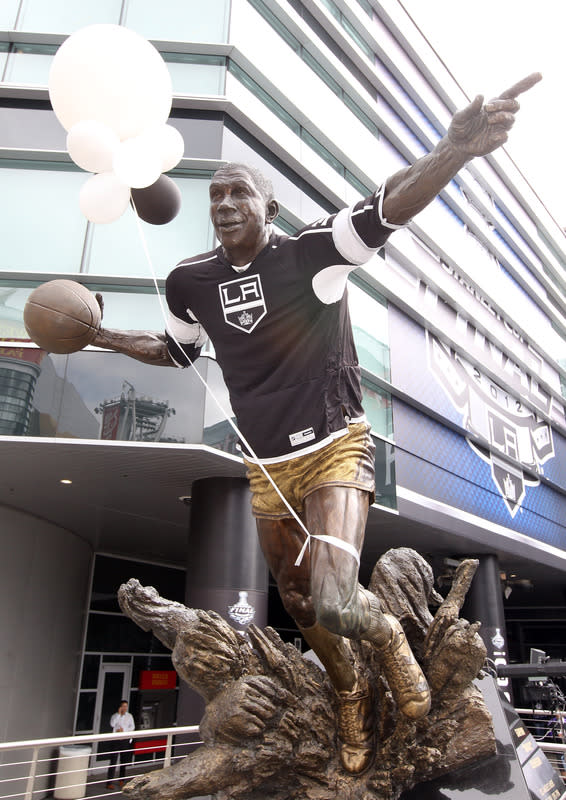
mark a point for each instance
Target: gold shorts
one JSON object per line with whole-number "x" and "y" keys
{"x": 347, "y": 461}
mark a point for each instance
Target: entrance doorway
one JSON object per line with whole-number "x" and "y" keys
{"x": 114, "y": 682}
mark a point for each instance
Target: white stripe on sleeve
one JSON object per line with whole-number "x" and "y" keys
{"x": 185, "y": 332}
{"x": 348, "y": 241}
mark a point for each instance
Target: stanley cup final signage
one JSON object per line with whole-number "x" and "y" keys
{"x": 514, "y": 435}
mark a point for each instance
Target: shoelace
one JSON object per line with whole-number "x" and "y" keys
{"x": 349, "y": 720}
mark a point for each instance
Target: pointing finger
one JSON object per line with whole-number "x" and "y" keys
{"x": 522, "y": 86}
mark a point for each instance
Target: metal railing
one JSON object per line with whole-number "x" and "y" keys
{"x": 72, "y": 767}
{"x": 548, "y": 727}
{"x": 35, "y": 769}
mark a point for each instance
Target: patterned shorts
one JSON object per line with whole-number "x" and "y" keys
{"x": 347, "y": 461}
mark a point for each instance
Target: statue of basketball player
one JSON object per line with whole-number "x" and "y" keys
{"x": 275, "y": 309}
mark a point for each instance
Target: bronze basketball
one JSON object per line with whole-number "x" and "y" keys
{"x": 62, "y": 316}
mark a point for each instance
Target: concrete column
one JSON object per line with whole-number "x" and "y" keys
{"x": 226, "y": 571}
{"x": 484, "y": 603}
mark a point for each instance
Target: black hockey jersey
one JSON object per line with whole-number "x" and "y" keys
{"x": 281, "y": 329}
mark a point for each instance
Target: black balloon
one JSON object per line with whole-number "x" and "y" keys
{"x": 158, "y": 203}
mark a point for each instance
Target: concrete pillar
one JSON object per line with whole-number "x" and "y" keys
{"x": 226, "y": 571}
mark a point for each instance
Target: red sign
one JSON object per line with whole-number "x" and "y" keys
{"x": 31, "y": 354}
{"x": 151, "y": 679}
{"x": 149, "y": 745}
{"x": 110, "y": 421}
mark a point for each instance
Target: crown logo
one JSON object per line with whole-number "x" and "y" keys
{"x": 509, "y": 488}
{"x": 245, "y": 318}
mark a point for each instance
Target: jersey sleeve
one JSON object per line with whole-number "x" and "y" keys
{"x": 361, "y": 230}
{"x": 184, "y": 334}
{"x": 355, "y": 235}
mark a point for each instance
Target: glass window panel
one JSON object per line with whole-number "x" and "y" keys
{"x": 3, "y": 56}
{"x": 43, "y": 229}
{"x": 130, "y": 310}
{"x": 61, "y": 16}
{"x": 12, "y": 301}
{"x": 369, "y": 322}
{"x": 118, "y": 634}
{"x": 118, "y": 249}
{"x": 89, "y": 394}
{"x": 378, "y": 408}
{"x": 385, "y": 484}
{"x": 8, "y": 14}
{"x": 189, "y": 21}
{"x": 110, "y": 573}
{"x": 89, "y": 678}
{"x": 85, "y": 713}
{"x": 29, "y": 64}
{"x": 193, "y": 74}
{"x": 124, "y": 307}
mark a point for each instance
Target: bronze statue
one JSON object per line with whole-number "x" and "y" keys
{"x": 269, "y": 723}
{"x": 275, "y": 308}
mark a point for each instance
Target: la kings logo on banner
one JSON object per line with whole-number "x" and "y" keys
{"x": 499, "y": 418}
{"x": 243, "y": 302}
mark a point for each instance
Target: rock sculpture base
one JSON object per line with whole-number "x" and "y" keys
{"x": 269, "y": 727}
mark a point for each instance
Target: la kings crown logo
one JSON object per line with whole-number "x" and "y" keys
{"x": 498, "y": 417}
{"x": 243, "y": 302}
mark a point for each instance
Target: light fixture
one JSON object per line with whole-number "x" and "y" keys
{"x": 66, "y": 481}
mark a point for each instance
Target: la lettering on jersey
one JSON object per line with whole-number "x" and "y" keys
{"x": 281, "y": 329}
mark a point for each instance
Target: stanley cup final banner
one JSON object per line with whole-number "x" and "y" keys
{"x": 483, "y": 439}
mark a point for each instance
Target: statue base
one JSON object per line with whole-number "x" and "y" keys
{"x": 519, "y": 770}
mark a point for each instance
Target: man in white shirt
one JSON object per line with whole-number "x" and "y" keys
{"x": 120, "y": 721}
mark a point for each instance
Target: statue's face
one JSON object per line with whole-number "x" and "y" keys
{"x": 239, "y": 213}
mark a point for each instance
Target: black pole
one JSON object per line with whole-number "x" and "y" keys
{"x": 226, "y": 571}
{"x": 484, "y": 603}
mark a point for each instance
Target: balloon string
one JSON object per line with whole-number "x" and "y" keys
{"x": 338, "y": 542}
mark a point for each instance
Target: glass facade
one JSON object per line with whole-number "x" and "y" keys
{"x": 113, "y": 638}
{"x": 45, "y": 231}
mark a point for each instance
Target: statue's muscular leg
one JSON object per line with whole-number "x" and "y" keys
{"x": 281, "y": 541}
{"x": 344, "y": 607}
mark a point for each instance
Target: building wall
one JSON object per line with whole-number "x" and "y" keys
{"x": 44, "y": 588}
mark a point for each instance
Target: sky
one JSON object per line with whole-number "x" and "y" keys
{"x": 488, "y": 45}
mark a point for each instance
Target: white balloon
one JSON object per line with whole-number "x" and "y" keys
{"x": 91, "y": 145}
{"x": 103, "y": 198}
{"x": 137, "y": 163}
{"x": 113, "y": 75}
{"x": 168, "y": 143}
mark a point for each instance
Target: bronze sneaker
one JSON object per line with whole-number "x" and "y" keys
{"x": 403, "y": 674}
{"x": 355, "y": 728}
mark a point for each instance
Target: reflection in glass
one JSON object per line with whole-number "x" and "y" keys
{"x": 131, "y": 417}
{"x": 218, "y": 432}
{"x": 370, "y": 325}
{"x": 29, "y": 64}
{"x": 378, "y": 408}
{"x": 385, "y": 483}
